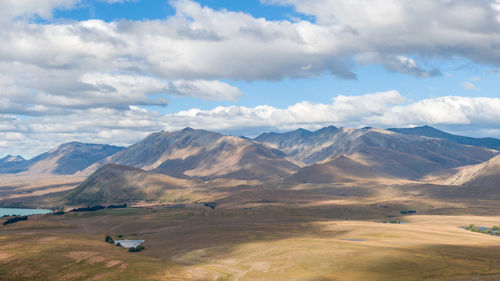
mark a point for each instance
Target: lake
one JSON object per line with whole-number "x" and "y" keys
{"x": 22, "y": 212}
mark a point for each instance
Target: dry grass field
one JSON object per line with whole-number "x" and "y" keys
{"x": 303, "y": 233}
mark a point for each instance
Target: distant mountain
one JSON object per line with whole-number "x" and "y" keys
{"x": 431, "y": 132}
{"x": 300, "y": 144}
{"x": 66, "y": 159}
{"x": 12, "y": 164}
{"x": 12, "y": 159}
{"x": 204, "y": 154}
{"x": 391, "y": 153}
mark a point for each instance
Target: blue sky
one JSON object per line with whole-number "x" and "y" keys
{"x": 113, "y": 71}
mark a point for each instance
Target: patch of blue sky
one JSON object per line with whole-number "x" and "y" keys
{"x": 160, "y": 9}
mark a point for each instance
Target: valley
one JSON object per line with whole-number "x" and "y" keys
{"x": 284, "y": 206}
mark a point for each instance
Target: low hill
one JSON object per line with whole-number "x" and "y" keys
{"x": 337, "y": 169}
{"x": 118, "y": 184}
{"x": 481, "y": 175}
{"x": 431, "y": 132}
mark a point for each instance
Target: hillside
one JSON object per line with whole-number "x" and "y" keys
{"x": 337, "y": 169}
{"x": 204, "y": 154}
{"x": 481, "y": 175}
{"x": 117, "y": 184}
{"x": 427, "y": 131}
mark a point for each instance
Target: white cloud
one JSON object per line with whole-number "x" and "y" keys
{"x": 469, "y": 86}
{"x": 385, "y": 109}
{"x": 50, "y": 68}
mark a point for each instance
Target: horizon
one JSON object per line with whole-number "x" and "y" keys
{"x": 3, "y": 156}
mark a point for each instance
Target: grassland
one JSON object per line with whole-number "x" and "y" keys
{"x": 302, "y": 233}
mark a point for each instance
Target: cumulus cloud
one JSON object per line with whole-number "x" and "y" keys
{"x": 48, "y": 68}
{"x": 427, "y": 28}
{"x": 124, "y": 127}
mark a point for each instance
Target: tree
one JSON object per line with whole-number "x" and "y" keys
{"x": 108, "y": 239}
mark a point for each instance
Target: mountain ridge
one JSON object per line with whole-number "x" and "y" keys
{"x": 428, "y": 131}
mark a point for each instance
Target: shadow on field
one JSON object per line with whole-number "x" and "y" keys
{"x": 437, "y": 262}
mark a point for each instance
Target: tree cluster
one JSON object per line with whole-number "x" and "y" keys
{"x": 136, "y": 249}
{"x": 15, "y": 219}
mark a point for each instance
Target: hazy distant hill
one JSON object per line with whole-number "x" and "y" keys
{"x": 65, "y": 159}
{"x": 391, "y": 153}
{"x": 12, "y": 164}
{"x": 431, "y": 132}
{"x": 199, "y": 153}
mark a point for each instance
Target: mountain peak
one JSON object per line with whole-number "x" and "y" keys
{"x": 12, "y": 158}
{"x": 330, "y": 128}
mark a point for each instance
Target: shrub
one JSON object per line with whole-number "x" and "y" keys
{"x": 88, "y": 209}
{"x": 108, "y": 239}
{"x": 212, "y": 205}
{"x": 118, "y": 244}
{"x": 136, "y": 249}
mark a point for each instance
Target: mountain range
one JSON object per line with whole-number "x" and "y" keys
{"x": 66, "y": 159}
{"x": 427, "y": 131}
{"x": 167, "y": 160}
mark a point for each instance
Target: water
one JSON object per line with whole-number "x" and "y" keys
{"x": 22, "y": 212}
{"x": 129, "y": 243}
{"x": 355, "y": 240}
{"x": 482, "y": 228}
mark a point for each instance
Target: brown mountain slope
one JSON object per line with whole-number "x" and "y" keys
{"x": 395, "y": 154}
{"x": 337, "y": 169}
{"x": 117, "y": 184}
{"x": 199, "y": 153}
{"x": 484, "y": 174}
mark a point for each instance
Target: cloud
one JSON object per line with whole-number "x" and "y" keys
{"x": 469, "y": 86}
{"x": 123, "y": 127}
{"x": 209, "y": 90}
{"x": 399, "y": 64}
{"x": 56, "y": 66}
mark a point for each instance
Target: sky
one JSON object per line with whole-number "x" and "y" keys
{"x": 114, "y": 71}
